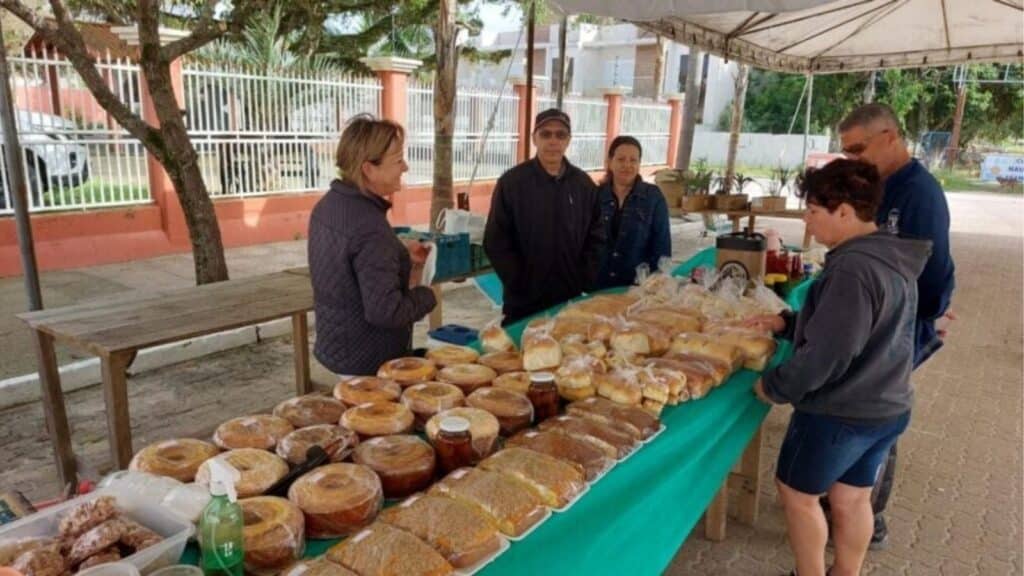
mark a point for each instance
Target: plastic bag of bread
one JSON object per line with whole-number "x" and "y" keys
{"x": 602, "y": 305}
{"x": 514, "y": 507}
{"x": 557, "y": 482}
{"x": 448, "y": 354}
{"x": 337, "y": 499}
{"x": 259, "y": 470}
{"x": 429, "y": 398}
{"x": 317, "y": 567}
{"x": 468, "y": 377}
{"x": 383, "y": 550}
{"x": 338, "y": 442}
{"x": 540, "y": 352}
{"x": 178, "y": 459}
{"x": 653, "y": 406}
{"x": 363, "y": 389}
{"x": 621, "y": 385}
{"x": 408, "y": 370}
{"x": 672, "y": 320}
{"x": 615, "y": 443}
{"x": 310, "y": 410}
{"x": 756, "y": 347}
{"x": 261, "y": 431}
{"x": 274, "y": 534}
{"x": 630, "y": 339}
{"x": 636, "y": 421}
{"x": 674, "y": 382}
{"x": 701, "y": 374}
{"x": 718, "y": 369}
{"x": 575, "y": 377}
{"x": 566, "y": 447}
{"x": 493, "y": 338}
{"x": 458, "y": 531}
{"x": 705, "y": 345}
{"x": 573, "y": 345}
{"x": 654, "y": 387}
{"x": 404, "y": 463}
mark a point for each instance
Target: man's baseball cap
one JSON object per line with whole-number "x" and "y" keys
{"x": 552, "y": 115}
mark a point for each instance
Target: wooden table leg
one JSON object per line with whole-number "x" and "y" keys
{"x": 437, "y": 314}
{"x": 735, "y": 223}
{"x": 300, "y": 342}
{"x": 115, "y": 394}
{"x": 715, "y": 516}
{"x": 748, "y": 481}
{"x": 55, "y": 411}
{"x": 750, "y": 221}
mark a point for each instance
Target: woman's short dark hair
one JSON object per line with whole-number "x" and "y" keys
{"x": 616, "y": 143}
{"x": 851, "y": 181}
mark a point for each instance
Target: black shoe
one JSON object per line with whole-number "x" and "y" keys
{"x": 880, "y": 537}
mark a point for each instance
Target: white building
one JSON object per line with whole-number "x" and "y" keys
{"x": 600, "y": 57}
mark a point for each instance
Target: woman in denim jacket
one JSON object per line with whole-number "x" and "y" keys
{"x": 635, "y": 217}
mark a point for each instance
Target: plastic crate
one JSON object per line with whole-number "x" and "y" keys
{"x": 478, "y": 258}
{"x": 453, "y": 334}
{"x": 453, "y": 253}
{"x": 174, "y": 531}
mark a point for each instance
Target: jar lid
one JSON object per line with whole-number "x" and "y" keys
{"x": 542, "y": 377}
{"x": 454, "y": 424}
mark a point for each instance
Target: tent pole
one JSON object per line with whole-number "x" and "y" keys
{"x": 563, "y": 34}
{"x": 529, "y": 79}
{"x": 16, "y": 181}
{"x": 807, "y": 113}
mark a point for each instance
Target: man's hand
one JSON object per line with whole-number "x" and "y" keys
{"x": 768, "y": 322}
{"x": 759, "y": 392}
{"x": 943, "y": 323}
{"x": 418, "y": 251}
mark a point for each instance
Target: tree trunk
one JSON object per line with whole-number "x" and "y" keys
{"x": 178, "y": 157}
{"x": 739, "y": 97}
{"x": 691, "y": 105}
{"x": 445, "y": 34}
{"x": 659, "y": 67}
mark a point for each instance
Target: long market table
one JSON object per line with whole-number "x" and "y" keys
{"x": 633, "y": 520}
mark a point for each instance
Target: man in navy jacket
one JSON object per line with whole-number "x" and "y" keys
{"x": 915, "y": 206}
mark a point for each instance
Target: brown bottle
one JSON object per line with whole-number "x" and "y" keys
{"x": 453, "y": 444}
{"x": 543, "y": 394}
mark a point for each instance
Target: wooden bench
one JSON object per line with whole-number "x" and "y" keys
{"x": 116, "y": 328}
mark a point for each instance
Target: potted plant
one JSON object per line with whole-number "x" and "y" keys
{"x": 698, "y": 185}
{"x": 775, "y": 201}
{"x": 726, "y": 201}
{"x": 672, "y": 183}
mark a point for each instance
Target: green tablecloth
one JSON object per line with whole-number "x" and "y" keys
{"x": 634, "y": 519}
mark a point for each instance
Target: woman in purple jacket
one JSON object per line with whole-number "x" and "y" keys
{"x": 366, "y": 291}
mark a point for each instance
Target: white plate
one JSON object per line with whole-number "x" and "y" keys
{"x": 469, "y": 571}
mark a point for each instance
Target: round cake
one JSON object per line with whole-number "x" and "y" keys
{"x": 404, "y": 463}
{"x": 338, "y": 499}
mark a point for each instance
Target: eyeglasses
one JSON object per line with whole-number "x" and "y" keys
{"x": 860, "y": 147}
{"x": 549, "y": 134}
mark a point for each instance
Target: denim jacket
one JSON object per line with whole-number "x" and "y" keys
{"x": 643, "y": 234}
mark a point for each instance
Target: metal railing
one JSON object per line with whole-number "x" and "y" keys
{"x": 260, "y": 133}
{"x": 75, "y": 155}
{"x": 473, "y": 111}
{"x": 589, "y": 124}
{"x": 649, "y": 123}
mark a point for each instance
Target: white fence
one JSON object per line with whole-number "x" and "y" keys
{"x": 261, "y": 133}
{"x": 473, "y": 110}
{"x": 589, "y": 118}
{"x": 75, "y": 155}
{"x": 756, "y": 149}
{"x": 648, "y": 123}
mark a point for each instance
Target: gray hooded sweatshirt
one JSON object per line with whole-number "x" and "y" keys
{"x": 853, "y": 341}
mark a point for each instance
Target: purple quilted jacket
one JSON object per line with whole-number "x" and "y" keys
{"x": 360, "y": 273}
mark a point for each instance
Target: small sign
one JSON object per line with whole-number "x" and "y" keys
{"x": 1002, "y": 167}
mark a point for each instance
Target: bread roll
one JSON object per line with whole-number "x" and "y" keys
{"x": 274, "y": 534}
{"x": 631, "y": 341}
{"x": 461, "y": 533}
{"x": 541, "y": 352}
{"x": 363, "y": 389}
{"x": 511, "y": 505}
{"x": 378, "y": 419}
{"x": 575, "y": 377}
{"x": 513, "y": 410}
{"x": 448, "y": 354}
{"x": 383, "y": 550}
{"x": 493, "y": 338}
{"x": 337, "y": 499}
{"x": 404, "y": 463}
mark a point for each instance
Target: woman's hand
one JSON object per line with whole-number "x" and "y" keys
{"x": 418, "y": 251}
{"x": 770, "y": 322}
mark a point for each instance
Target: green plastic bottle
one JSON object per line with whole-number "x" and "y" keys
{"x": 220, "y": 527}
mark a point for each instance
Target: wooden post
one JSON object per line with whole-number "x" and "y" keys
{"x": 675, "y": 127}
{"x": 54, "y": 410}
{"x": 300, "y": 343}
{"x": 715, "y": 519}
{"x": 748, "y": 480}
{"x": 524, "y": 123}
{"x": 114, "y": 368}
{"x": 613, "y": 123}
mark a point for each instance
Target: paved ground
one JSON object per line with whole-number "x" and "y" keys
{"x": 957, "y": 503}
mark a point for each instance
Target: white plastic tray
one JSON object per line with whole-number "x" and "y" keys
{"x": 586, "y": 488}
{"x": 544, "y": 518}
{"x": 469, "y": 571}
{"x": 661, "y": 429}
{"x": 174, "y": 530}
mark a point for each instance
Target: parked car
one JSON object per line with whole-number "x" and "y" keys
{"x": 53, "y": 158}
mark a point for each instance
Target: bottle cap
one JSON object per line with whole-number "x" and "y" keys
{"x": 542, "y": 377}
{"x": 223, "y": 477}
{"x": 454, "y": 424}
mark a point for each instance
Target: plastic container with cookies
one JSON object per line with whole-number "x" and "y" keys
{"x": 385, "y": 550}
{"x": 337, "y": 499}
{"x": 513, "y": 410}
{"x": 513, "y": 506}
{"x": 404, "y": 463}
{"x": 557, "y": 482}
{"x": 274, "y": 534}
{"x": 461, "y": 533}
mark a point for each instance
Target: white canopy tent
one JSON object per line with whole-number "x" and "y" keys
{"x": 827, "y": 36}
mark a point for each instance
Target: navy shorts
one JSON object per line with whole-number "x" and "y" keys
{"x": 821, "y": 450}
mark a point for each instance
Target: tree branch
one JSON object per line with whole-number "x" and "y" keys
{"x": 66, "y": 37}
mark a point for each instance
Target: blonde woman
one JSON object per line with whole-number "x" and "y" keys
{"x": 365, "y": 279}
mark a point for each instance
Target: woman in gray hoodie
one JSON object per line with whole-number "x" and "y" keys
{"x": 849, "y": 377}
{"x": 366, "y": 290}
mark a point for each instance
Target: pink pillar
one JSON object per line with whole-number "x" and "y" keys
{"x": 613, "y": 96}
{"x": 675, "y": 127}
{"x": 161, "y": 190}
{"x": 524, "y": 124}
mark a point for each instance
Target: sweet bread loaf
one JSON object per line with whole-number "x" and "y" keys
{"x": 408, "y": 370}
{"x": 260, "y": 431}
{"x": 541, "y": 352}
{"x": 404, "y": 463}
{"x": 704, "y": 345}
{"x": 460, "y": 532}
{"x": 614, "y": 443}
{"x": 378, "y": 419}
{"x": 448, "y": 355}
{"x": 363, "y": 389}
{"x": 514, "y": 381}
{"x": 638, "y": 422}
{"x": 513, "y": 506}
{"x": 259, "y": 470}
{"x": 429, "y": 398}
{"x": 274, "y": 534}
{"x": 621, "y": 386}
{"x": 383, "y": 550}
{"x": 337, "y": 441}
{"x": 468, "y": 377}
{"x": 502, "y": 362}
{"x": 565, "y": 447}
{"x": 178, "y": 459}
{"x": 310, "y": 410}
{"x": 513, "y": 410}
{"x": 337, "y": 499}
{"x": 493, "y": 338}
{"x": 557, "y": 482}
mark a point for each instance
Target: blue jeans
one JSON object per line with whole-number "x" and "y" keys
{"x": 821, "y": 450}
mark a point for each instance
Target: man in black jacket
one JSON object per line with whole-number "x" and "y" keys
{"x": 544, "y": 235}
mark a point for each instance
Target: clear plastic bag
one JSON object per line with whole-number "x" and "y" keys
{"x": 513, "y": 410}
{"x": 383, "y": 549}
{"x": 557, "y": 482}
{"x": 310, "y": 410}
{"x": 515, "y": 508}
{"x": 461, "y": 533}
{"x": 404, "y": 462}
{"x": 338, "y": 499}
{"x": 274, "y": 533}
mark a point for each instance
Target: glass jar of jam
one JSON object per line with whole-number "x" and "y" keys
{"x": 453, "y": 444}
{"x": 543, "y": 394}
